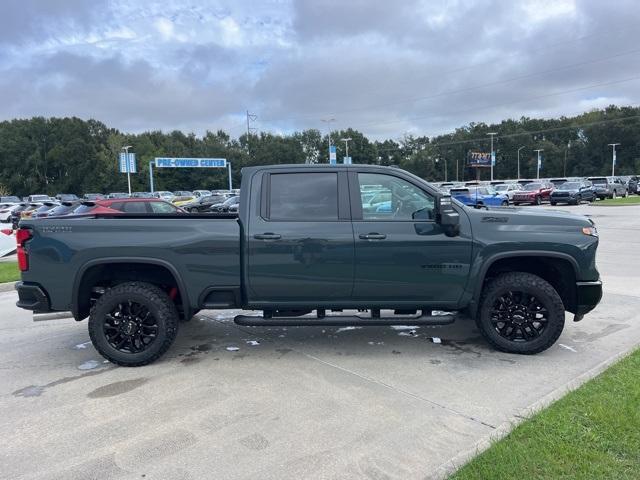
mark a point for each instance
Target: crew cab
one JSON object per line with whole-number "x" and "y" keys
{"x": 303, "y": 243}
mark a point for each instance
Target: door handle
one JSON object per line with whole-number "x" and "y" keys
{"x": 267, "y": 236}
{"x": 372, "y": 236}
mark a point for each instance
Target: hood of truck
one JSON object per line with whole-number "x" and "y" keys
{"x": 534, "y": 218}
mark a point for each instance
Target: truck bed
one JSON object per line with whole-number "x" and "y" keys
{"x": 203, "y": 248}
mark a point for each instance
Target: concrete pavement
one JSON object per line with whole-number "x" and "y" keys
{"x": 304, "y": 402}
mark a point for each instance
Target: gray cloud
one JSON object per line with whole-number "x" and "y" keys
{"x": 418, "y": 66}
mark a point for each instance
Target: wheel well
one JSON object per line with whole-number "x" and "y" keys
{"x": 99, "y": 277}
{"x": 557, "y": 271}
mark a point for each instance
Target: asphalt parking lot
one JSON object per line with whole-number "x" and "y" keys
{"x": 298, "y": 402}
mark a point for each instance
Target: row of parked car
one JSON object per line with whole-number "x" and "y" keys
{"x": 573, "y": 190}
{"x": 12, "y": 209}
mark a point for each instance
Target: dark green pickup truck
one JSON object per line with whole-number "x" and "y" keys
{"x": 326, "y": 239}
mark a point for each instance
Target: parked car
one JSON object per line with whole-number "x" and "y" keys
{"x": 9, "y": 210}
{"x": 65, "y": 208}
{"x": 608, "y": 187}
{"x": 38, "y": 198}
{"x": 480, "y": 196}
{"x": 573, "y": 193}
{"x": 93, "y": 196}
{"x": 118, "y": 195}
{"x": 202, "y": 193}
{"x": 203, "y": 204}
{"x": 13, "y": 215}
{"x": 633, "y": 185}
{"x": 44, "y": 209}
{"x": 224, "y": 206}
{"x": 142, "y": 195}
{"x": 10, "y": 199}
{"x": 534, "y": 193}
{"x": 183, "y": 197}
{"x": 67, "y": 197}
{"x": 508, "y": 189}
{"x": 164, "y": 195}
{"x": 135, "y": 205}
{"x": 556, "y": 182}
{"x": 304, "y": 244}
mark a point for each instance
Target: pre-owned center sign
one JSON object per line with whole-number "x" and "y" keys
{"x": 182, "y": 162}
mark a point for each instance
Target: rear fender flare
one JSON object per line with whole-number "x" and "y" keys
{"x": 186, "y": 304}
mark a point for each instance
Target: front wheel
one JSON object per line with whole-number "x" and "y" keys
{"x": 520, "y": 313}
{"x": 553, "y": 204}
{"x": 133, "y": 324}
{"x": 538, "y": 201}
{"x": 614, "y": 195}
{"x": 505, "y": 203}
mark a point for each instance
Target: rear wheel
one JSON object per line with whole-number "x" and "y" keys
{"x": 614, "y": 195}
{"x": 133, "y": 324}
{"x": 553, "y": 204}
{"x": 505, "y": 203}
{"x": 520, "y": 313}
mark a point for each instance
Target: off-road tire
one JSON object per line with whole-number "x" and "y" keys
{"x": 534, "y": 285}
{"x": 159, "y": 304}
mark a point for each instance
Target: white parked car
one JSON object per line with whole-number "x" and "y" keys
{"x": 508, "y": 189}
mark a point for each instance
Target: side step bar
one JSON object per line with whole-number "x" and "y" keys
{"x": 341, "y": 321}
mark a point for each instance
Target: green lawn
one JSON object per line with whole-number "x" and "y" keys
{"x": 592, "y": 433}
{"x": 9, "y": 272}
{"x": 630, "y": 200}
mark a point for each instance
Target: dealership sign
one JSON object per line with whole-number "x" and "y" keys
{"x": 480, "y": 159}
{"x": 181, "y": 162}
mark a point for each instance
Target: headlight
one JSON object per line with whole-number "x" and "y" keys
{"x": 591, "y": 231}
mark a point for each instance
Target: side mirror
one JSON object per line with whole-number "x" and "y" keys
{"x": 447, "y": 217}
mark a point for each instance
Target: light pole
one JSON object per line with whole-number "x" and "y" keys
{"x": 613, "y": 158}
{"x": 328, "y": 122}
{"x": 539, "y": 150}
{"x": 437, "y": 160}
{"x": 151, "y": 174}
{"x": 492, "y": 134}
{"x": 126, "y": 157}
{"x": 519, "y": 161}
{"x": 346, "y": 147}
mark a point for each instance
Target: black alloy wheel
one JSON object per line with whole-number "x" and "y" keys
{"x": 133, "y": 323}
{"x": 519, "y": 316}
{"x": 520, "y": 313}
{"x": 130, "y": 327}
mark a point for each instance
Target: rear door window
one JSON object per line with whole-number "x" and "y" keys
{"x": 303, "y": 196}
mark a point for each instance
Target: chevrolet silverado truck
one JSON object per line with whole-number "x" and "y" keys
{"x": 304, "y": 251}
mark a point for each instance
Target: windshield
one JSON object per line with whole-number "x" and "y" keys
{"x": 569, "y": 186}
{"x": 531, "y": 187}
{"x": 502, "y": 188}
{"x": 599, "y": 181}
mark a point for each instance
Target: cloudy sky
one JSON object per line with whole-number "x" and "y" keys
{"x": 383, "y": 67}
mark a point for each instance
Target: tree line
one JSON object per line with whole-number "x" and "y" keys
{"x": 71, "y": 155}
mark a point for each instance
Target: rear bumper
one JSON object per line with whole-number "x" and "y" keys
{"x": 588, "y": 295}
{"x": 32, "y": 296}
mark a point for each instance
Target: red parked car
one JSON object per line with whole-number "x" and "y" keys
{"x": 127, "y": 205}
{"x": 534, "y": 193}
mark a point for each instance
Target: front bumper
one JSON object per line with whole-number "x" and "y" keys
{"x": 32, "y": 297}
{"x": 588, "y": 295}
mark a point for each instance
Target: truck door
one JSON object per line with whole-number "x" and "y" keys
{"x": 401, "y": 253}
{"x": 300, "y": 242}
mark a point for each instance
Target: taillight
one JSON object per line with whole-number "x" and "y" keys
{"x": 22, "y": 235}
